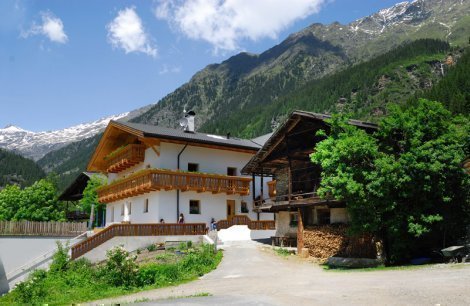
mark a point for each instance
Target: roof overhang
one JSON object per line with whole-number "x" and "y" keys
{"x": 306, "y": 123}
{"x": 117, "y": 134}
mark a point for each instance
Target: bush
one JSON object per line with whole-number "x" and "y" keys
{"x": 33, "y": 288}
{"x": 120, "y": 268}
{"x": 151, "y": 247}
{"x": 60, "y": 259}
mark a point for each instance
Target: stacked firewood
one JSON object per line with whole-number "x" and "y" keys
{"x": 324, "y": 241}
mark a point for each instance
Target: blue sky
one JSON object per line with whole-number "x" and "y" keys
{"x": 68, "y": 62}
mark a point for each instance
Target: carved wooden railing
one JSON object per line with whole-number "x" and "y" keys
{"x": 129, "y": 156}
{"x": 114, "y": 230}
{"x": 156, "y": 179}
{"x": 244, "y": 220}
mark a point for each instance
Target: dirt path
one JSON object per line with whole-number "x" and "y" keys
{"x": 249, "y": 275}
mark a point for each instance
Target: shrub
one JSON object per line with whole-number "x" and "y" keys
{"x": 60, "y": 260}
{"x": 120, "y": 268}
{"x": 33, "y": 288}
{"x": 151, "y": 247}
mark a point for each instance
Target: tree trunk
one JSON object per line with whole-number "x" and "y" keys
{"x": 92, "y": 217}
{"x": 385, "y": 246}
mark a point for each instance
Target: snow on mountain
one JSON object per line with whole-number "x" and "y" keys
{"x": 37, "y": 144}
{"x": 401, "y": 13}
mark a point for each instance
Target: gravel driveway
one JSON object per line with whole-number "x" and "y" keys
{"x": 251, "y": 275}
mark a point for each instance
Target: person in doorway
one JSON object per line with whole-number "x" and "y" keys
{"x": 162, "y": 221}
{"x": 181, "y": 219}
{"x": 213, "y": 224}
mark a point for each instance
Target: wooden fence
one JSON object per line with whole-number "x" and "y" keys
{"x": 38, "y": 228}
{"x": 168, "y": 229}
{"x": 244, "y": 220}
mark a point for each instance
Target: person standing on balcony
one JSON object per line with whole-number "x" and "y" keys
{"x": 181, "y": 219}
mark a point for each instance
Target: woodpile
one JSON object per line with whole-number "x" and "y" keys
{"x": 324, "y": 241}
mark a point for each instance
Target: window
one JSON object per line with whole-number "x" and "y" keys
{"x": 122, "y": 210}
{"x": 146, "y": 206}
{"x": 294, "y": 220}
{"x": 323, "y": 216}
{"x": 193, "y": 167}
{"x": 231, "y": 171}
{"x": 194, "y": 207}
{"x": 130, "y": 208}
{"x": 244, "y": 207}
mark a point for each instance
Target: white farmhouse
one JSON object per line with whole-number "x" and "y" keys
{"x": 155, "y": 174}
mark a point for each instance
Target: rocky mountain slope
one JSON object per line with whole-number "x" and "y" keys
{"x": 249, "y": 80}
{"x": 363, "y": 90}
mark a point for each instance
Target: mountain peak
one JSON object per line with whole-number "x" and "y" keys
{"x": 10, "y": 128}
{"x": 36, "y": 144}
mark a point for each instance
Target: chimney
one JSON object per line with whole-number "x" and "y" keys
{"x": 190, "y": 117}
{"x": 228, "y": 135}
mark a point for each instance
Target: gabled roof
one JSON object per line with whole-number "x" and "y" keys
{"x": 196, "y": 137}
{"x": 74, "y": 191}
{"x": 119, "y": 133}
{"x": 296, "y": 118}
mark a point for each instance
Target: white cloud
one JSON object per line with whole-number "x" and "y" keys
{"x": 51, "y": 27}
{"x": 127, "y": 32}
{"x": 224, "y": 23}
{"x": 169, "y": 69}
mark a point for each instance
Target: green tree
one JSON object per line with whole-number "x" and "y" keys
{"x": 39, "y": 203}
{"x": 405, "y": 182}
{"x": 90, "y": 202}
{"x": 10, "y": 201}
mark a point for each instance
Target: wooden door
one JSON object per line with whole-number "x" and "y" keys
{"x": 230, "y": 209}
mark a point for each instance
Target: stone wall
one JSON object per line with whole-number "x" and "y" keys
{"x": 282, "y": 181}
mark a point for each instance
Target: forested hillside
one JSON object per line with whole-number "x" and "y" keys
{"x": 454, "y": 89}
{"x": 363, "y": 90}
{"x": 70, "y": 160}
{"x": 15, "y": 169}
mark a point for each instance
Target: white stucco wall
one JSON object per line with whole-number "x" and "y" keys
{"x": 162, "y": 204}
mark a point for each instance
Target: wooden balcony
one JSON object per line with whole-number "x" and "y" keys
{"x": 125, "y": 158}
{"x": 156, "y": 179}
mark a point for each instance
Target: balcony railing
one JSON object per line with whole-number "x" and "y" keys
{"x": 245, "y": 220}
{"x": 156, "y": 179}
{"x": 115, "y": 230}
{"x": 129, "y": 156}
{"x": 286, "y": 198}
